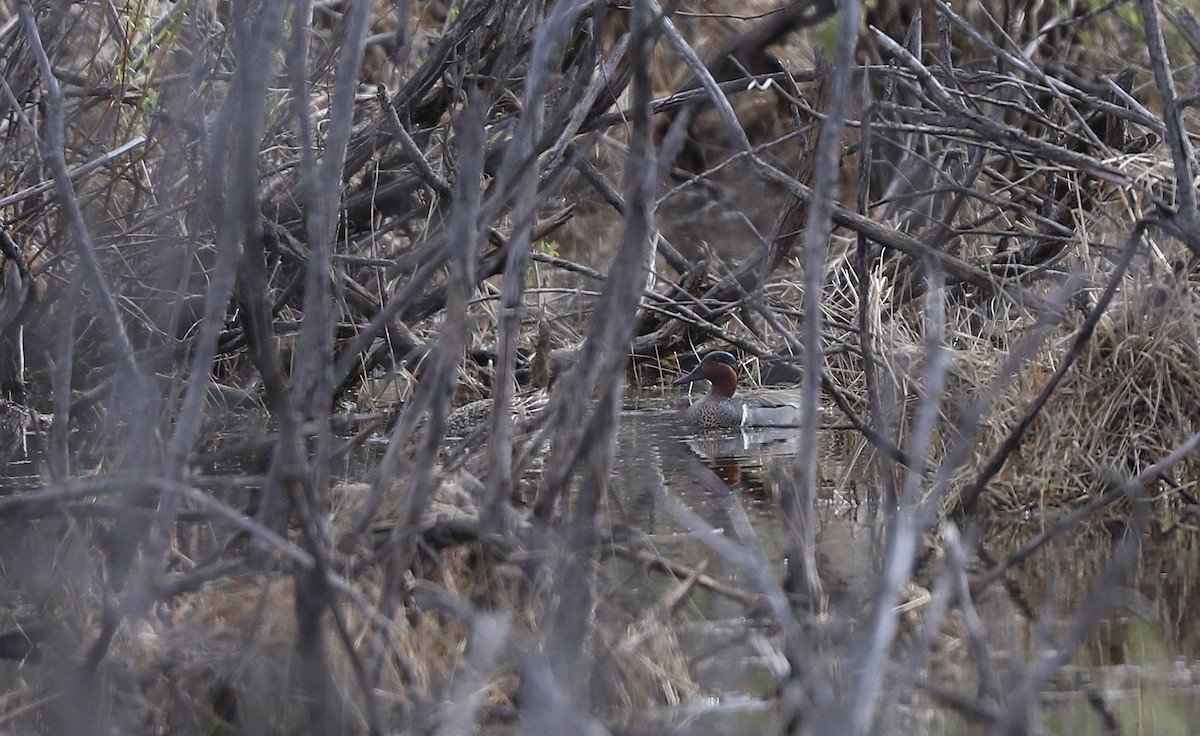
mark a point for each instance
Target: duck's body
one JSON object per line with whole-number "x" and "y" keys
{"x": 470, "y": 418}
{"x": 15, "y": 419}
{"x": 548, "y": 366}
{"x": 723, "y": 407}
{"x": 775, "y": 408}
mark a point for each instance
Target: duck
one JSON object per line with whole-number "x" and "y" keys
{"x": 547, "y": 366}
{"x": 720, "y": 408}
{"x": 15, "y": 420}
{"x": 470, "y": 419}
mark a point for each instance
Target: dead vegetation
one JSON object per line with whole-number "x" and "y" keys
{"x": 345, "y": 220}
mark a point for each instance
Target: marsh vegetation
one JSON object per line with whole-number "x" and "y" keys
{"x": 258, "y": 256}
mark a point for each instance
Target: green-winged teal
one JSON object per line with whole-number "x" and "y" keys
{"x": 720, "y": 408}
{"x": 470, "y": 418}
{"x": 15, "y": 420}
{"x": 548, "y": 365}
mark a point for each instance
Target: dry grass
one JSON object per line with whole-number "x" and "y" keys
{"x": 1132, "y": 398}
{"x": 445, "y": 620}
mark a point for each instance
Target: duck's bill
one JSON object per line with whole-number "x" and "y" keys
{"x": 695, "y": 375}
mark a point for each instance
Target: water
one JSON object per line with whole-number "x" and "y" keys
{"x": 1137, "y": 672}
{"x": 1141, "y": 662}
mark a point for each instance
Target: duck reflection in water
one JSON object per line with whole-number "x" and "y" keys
{"x": 741, "y": 457}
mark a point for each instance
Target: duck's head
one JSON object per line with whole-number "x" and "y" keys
{"x": 718, "y": 368}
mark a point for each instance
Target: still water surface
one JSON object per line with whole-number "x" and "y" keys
{"x": 1142, "y": 661}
